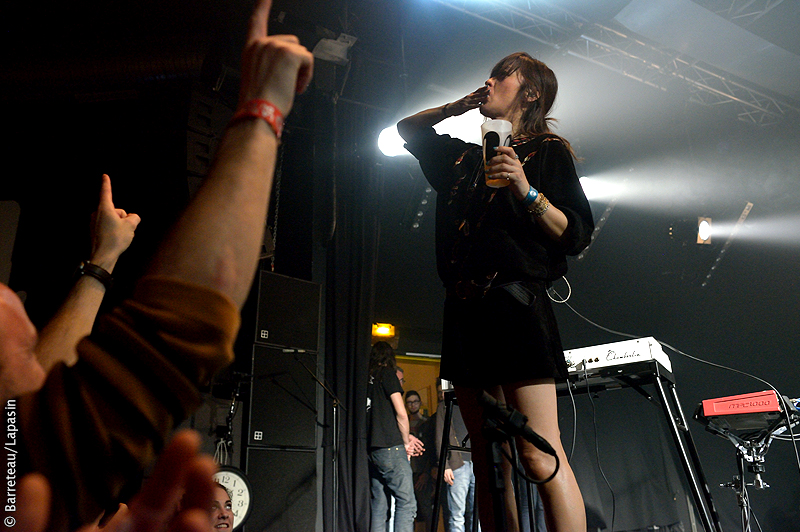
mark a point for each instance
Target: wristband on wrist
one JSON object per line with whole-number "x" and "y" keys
{"x": 93, "y": 270}
{"x": 264, "y": 110}
{"x": 532, "y": 196}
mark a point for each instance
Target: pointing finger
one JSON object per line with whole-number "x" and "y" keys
{"x": 258, "y": 21}
{"x": 105, "y": 192}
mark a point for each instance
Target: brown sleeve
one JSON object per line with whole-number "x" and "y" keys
{"x": 94, "y": 427}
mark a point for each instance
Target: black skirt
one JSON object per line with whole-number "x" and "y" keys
{"x": 508, "y": 335}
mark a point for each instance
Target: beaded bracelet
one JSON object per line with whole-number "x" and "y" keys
{"x": 532, "y": 195}
{"x": 264, "y": 110}
{"x": 540, "y": 207}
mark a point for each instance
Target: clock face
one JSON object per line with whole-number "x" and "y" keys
{"x": 239, "y": 487}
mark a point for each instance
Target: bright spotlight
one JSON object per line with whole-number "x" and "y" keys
{"x": 597, "y": 189}
{"x": 466, "y": 127}
{"x": 391, "y": 143}
{"x": 703, "y": 230}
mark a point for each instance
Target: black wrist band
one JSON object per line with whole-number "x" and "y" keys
{"x": 93, "y": 270}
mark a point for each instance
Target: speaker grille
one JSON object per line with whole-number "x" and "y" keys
{"x": 284, "y": 497}
{"x": 288, "y": 312}
{"x": 283, "y": 400}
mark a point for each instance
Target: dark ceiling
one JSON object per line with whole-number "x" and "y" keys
{"x": 678, "y": 160}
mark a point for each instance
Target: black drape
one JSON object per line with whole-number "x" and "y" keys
{"x": 350, "y": 280}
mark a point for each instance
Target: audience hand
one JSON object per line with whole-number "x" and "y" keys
{"x": 415, "y": 446}
{"x": 182, "y": 475}
{"x": 274, "y": 68}
{"x": 448, "y": 476}
{"x": 112, "y": 229}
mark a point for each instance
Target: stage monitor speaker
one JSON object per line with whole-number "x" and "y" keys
{"x": 283, "y": 398}
{"x": 288, "y": 312}
{"x": 284, "y": 495}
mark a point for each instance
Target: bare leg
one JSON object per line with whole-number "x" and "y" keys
{"x": 561, "y": 497}
{"x": 472, "y": 413}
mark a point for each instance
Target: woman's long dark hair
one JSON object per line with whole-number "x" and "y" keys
{"x": 381, "y": 356}
{"x": 535, "y": 78}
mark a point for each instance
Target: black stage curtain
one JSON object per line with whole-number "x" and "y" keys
{"x": 626, "y": 463}
{"x": 351, "y": 264}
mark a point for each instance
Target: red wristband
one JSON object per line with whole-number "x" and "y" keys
{"x": 261, "y": 109}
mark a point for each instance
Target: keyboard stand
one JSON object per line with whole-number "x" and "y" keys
{"x": 636, "y": 375}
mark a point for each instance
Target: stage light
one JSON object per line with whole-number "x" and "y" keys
{"x": 383, "y": 330}
{"x": 466, "y": 127}
{"x": 391, "y": 143}
{"x": 703, "y": 230}
{"x": 337, "y": 52}
{"x": 600, "y": 189}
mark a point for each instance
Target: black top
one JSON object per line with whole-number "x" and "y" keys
{"x": 382, "y": 429}
{"x": 481, "y": 231}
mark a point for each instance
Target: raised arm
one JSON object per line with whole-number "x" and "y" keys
{"x": 217, "y": 239}
{"x": 112, "y": 233}
{"x": 410, "y": 126}
{"x": 138, "y": 372}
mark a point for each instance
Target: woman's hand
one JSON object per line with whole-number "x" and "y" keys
{"x": 472, "y": 100}
{"x": 506, "y": 165}
{"x": 410, "y": 126}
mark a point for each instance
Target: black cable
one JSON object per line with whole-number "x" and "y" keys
{"x": 784, "y": 410}
{"x": 509, "y": 422}
{"x": 786, "y": 414}
{"x": 597, "y": 453}
{"x": 753, "y": 515}
{"x": 523, "y": 474}
{"x": 574, "y": 422}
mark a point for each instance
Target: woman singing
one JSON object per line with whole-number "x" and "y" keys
{"x": 498, "y": 248}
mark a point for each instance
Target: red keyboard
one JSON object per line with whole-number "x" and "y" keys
{"x": 749, "y": 411}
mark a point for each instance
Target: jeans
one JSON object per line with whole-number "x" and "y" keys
{"x": 390, "y": 471}
{"x": 461, "y": 499}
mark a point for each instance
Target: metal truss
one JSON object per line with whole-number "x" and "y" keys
{"x": 536, "y": 20}
{"x": 629, "y": 55}
{"x": 741, "y": 12}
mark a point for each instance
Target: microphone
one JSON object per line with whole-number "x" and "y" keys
{"x": 514, "y": 423}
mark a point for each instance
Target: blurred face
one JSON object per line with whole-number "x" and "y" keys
{"x": 20, "y": 371}
{"x": 413, "y": 403}
{"x": 502, "y": 103}
{"x": 439, "y": 393}
{"x": 221, "y": 514}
